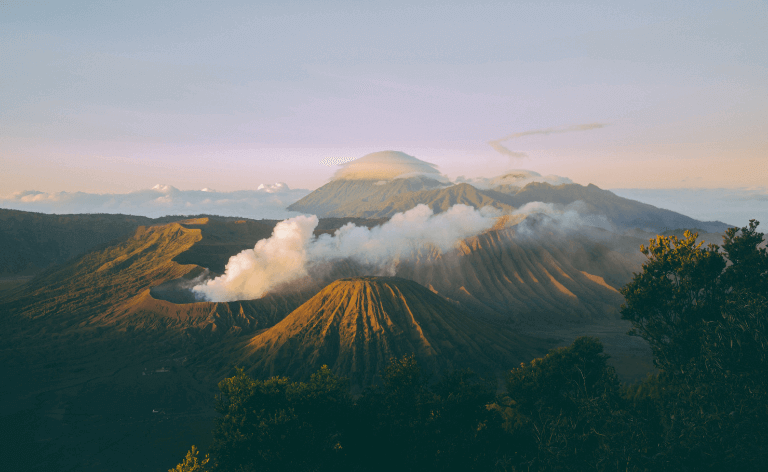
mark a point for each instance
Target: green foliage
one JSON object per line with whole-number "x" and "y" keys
{"x": 749, "y": 262}
{"x": 191, "y": 464}
{"x": 672, "y": 297}
{"x": 563, "y": 378}
{"x": 280, "y": 425}
{"x": 403, "y": 424}
{"x": 396, "y": 416}
{"x": 704, "y": 313}
{"x": 568, "y": 406}
{"x": 447, "y": 426}
{"x": 467, "y": 434}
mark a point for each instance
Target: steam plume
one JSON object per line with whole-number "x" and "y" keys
{"x": 292, "y": 249}
{"x": 496, "y": 144}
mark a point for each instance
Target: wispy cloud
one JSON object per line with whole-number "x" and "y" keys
{"x": 335, "y": 161}
{"x": 496, "y": 144}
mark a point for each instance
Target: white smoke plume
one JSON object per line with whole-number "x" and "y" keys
{"x": 292, "y": 250}
{"x": 562, "y": 219}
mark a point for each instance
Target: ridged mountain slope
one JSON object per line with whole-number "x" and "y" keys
{"x": 621, "y": 212}
{"x": 549, "y": 278}
{"x": 356, "y": 325}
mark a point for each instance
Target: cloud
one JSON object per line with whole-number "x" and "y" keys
{"x": 387, "y": 165}
{"x": 513, "y": 178}
{"x": 335, "y": 161}
{"x": 550, "y": 217}
{"x": 501, "y": 149}
{"x": 292, "y": 251}
{"x": 267, "y": 201}
{"x": 496, "y": 144}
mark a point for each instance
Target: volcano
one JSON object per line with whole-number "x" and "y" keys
{"x": 381, "y": 184}
{"x": 356, "y": 325}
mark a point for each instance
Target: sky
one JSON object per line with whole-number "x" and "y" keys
{"x": 115, "y": 97}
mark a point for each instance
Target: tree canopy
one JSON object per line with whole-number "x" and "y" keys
{"x": 703, "y": 311}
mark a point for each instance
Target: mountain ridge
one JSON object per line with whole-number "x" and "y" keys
{"x": 365, "y": 198}
{"x": 327, "y": 199}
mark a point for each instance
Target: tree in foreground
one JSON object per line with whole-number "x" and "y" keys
{"x": 565, "y": 412}
{"x": 443, "y": 426}
{"x": 191, "y": 463}
{"x": 402, "y": 424}
{"x": 703, "y": 311}
{"x": 277, "y": 424}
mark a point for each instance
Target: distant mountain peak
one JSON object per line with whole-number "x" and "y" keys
{"x": 165, "y": 188}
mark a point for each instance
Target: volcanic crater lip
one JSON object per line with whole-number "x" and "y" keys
{"x": 375, "y": 278}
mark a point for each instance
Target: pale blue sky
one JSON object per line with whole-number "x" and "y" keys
{"x": 119, "y": 96}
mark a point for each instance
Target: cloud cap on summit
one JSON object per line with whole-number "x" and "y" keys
{"x": 387, "y": 165}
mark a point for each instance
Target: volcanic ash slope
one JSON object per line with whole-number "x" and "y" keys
{"x": 356, "y": 325}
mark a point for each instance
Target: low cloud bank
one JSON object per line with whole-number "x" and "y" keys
{"x": 732, "y": 206}
{"x": 267, "y": 201}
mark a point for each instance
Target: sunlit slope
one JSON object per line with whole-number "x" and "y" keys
{"x": 30, "y": 242}
{"x": 356, "y": 325}
{"x": 548, "y": 278}
{"x": 100, "y": 281}
{"x": 112, "y": 288}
